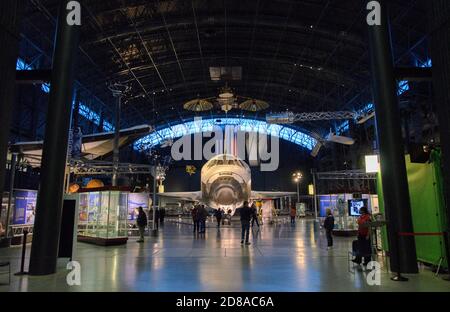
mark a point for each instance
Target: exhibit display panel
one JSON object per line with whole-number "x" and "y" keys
{"x": 24, "y": 207}
{"x": 136, "y": 200}
{"x": 103, "y": 217}
{"x": 21, "y": 216}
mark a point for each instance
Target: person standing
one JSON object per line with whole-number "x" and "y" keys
{"x": 246, "y": 215}
{"x": 141, "y": 223}
{"x": 203, "y": 215}
{"x": 328, "y": 225}
{"x": 229, "y": 216}
{"x": 293, "y": 214}
{"x": 162, "y": 215}
{"x": 254, "y": 215}
{"x": 218, "y": 214}
{"x": 157, "y": 216}
{"x": 195, "y": 218}
{"x": 364, "y": 248}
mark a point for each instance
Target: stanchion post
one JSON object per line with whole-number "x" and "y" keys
{"x": 398, "y": 277}
{"x": 24, "y": 248}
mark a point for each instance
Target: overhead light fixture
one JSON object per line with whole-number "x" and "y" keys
{"x": 226, "y": 93}
{"x": 372, "y": 164}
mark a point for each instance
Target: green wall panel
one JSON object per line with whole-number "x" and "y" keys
{"x": 425, "y": 191}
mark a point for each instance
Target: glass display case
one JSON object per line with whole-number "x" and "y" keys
{"x": 103, "y": 217}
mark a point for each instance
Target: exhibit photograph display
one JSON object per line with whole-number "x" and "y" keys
{"x": 225, "y": 154}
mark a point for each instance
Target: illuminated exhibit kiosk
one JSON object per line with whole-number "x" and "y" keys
{"x": 103, "y": 215}
{"x": 345, "y": 209}
{"x": 106, "y": 214}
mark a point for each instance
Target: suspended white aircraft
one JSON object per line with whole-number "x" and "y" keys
{"x": 225, "y": 183}
{"x": 331, "y": 137}
{"x": 92, "y": 146}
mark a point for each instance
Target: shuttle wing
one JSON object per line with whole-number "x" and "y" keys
{"x": 267, "y": 195}
{"x": 191, "y": 196}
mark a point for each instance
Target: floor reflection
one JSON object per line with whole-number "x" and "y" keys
{"x": 281, "y": 257}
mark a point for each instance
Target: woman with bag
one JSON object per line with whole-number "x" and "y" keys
{"x": 363, "y": 248}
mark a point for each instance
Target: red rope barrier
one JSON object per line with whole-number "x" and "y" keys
{"x": 421, "y": 234}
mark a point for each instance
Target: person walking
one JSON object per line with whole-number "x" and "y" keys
{"x": 363, "y": 243}
{"x": 203, "y": 215}
{"x": 218, "y": 214}
{"x": 141, "y": 223}
{"x": 246, "y": 215}
{"x": 328, "y": 225}
{"x": 195, "y": 218}
{"x": 293, "y": 214}
{"x": 254, "y": 215}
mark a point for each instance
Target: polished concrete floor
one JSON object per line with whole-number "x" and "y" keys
{"x": 281, "y": 258}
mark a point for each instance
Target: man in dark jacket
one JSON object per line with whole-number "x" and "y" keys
{"x": 141, "y": 223}
{"x": 195, "y": 218}
{"x": 203, "y": 215}
{"x": 218, "y": 214}
{"x": 246, "y": 215}
{"x": 329, "y": 226}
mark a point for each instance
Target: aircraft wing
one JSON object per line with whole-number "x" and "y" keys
{"x": 266, "y": 195}
{"x": 191, "y": 196}
{"x": 92, "y": 145}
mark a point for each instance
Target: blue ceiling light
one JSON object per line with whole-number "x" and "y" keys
{"x": 22, "y": 65}
{"x": 244, "y": 124}
{"x": 45, "y": 87}
{"x": 403, "y": 86}
{"x": 94, "y": 117}
{"x": 426, "y": 64}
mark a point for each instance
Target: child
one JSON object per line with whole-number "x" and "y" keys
{"x": 329, "y": 226}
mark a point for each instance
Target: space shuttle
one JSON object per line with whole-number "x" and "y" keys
{"x": 225, "y": 183}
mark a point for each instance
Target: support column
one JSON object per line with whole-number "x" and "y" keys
{"x": 76, "y": 111}
{"x": 393, "y": 169}
{"x": 154, "y": 197}
{"x": 440, "y": 52}
{"x": 12, "y": 177}
{"x": 313, "y": 173}
{"x": 116, "y": 151}
{"x": 10, "y": 16}
{"x": 47, "y": 224}
{"x": 102, "y": 122}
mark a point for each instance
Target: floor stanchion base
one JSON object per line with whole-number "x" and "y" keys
{"x": 399, "y": 278}
{"x": 20, "y": 273}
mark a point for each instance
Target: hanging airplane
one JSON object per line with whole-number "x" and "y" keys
{"x": 225, "y": 183}
{"x": 90, "y": 146}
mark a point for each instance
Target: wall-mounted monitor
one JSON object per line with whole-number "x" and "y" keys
{"x": 354, "y": 205}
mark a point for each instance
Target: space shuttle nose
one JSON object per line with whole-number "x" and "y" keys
{"x": 226, "y": 196}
